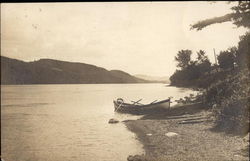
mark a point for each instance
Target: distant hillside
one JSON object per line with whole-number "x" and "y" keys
{"x": 48, "y": 71}
{"x": 154, "y": 79}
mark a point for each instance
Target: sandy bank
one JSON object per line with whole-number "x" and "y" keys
{"x": 195, "y": 140}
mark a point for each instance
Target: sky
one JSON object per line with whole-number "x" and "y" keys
{"x": 136, "y": 37}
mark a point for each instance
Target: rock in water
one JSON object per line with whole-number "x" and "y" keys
{"x": 170, "y": 134}
{"x": 113, "y": 121}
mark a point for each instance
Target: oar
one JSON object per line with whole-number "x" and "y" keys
{"x": 136, "y": 102}
{"x": 153, "y": 102}
{"x": 119, "y": 106}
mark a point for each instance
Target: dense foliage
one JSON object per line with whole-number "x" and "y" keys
{"x": 226, "y": 59}
{"x": 189, "y": 74}
{"x": 229, "y": 99}
{"x": 226, "y": 85}
{"x": 183, "y": 58}
{"x": 243, "y": 53}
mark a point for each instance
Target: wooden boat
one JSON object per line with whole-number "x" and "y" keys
{"x": 138, "y": 108}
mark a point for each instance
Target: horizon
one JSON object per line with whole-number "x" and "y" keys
{"x": 140, "y": 38}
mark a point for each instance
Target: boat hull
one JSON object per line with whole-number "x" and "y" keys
{"x": 142, "y": 109}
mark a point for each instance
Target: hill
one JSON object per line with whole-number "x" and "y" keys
{"x": 153, "y": 78}
{"x": 49, "y": 71}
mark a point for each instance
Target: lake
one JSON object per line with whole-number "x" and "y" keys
{"x": 70, "y": 122}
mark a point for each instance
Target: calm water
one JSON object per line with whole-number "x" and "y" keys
{"x": 70, "y": 122}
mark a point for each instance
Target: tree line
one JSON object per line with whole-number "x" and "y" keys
{"x": 224, "y": 86}
{"x": 191, "y": 73}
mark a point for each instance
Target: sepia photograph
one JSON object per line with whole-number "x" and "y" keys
{"x": 125, "y": 81}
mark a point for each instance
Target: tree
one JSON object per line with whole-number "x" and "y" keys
{"x": 204, "y": 67}
{"x": 226, "y": 59}
{"x": 240, "y": 16}
{"x": 183, "y": 58}
{"x": 201, "y": 57}
{"x": 203, "y": 64}
{"x": 231, "y": 92}
{"x": 204, "y": 23}
{"x": 243, "y": 54}
{"x": 191, "y": 71}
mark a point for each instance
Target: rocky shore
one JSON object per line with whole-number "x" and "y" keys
{"x": 186, "y": 133}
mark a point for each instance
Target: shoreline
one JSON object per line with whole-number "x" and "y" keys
{"x": 194, "y": 137}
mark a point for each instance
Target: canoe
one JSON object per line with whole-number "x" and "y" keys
{"x": 138, "y": 108}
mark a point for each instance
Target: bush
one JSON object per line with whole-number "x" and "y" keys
{"x": 232, "y": 102}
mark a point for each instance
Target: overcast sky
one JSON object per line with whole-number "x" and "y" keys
{"x": 136, "y": 37}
